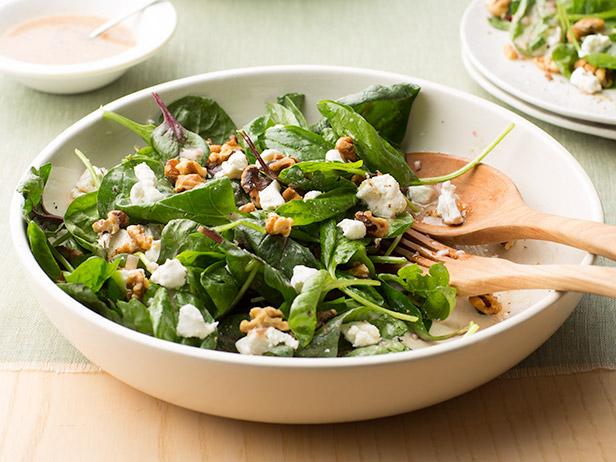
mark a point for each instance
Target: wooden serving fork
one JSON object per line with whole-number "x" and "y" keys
{"x": 475, "y": 275}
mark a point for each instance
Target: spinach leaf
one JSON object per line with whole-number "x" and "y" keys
{"x": 221, "y": 286}
{"x": 199, "y": 258}
{"x": 295, "y": 103}
{"x": 141, "y": 130}
{"x": 320, "y": 208}
{"x": 375, "y": 151}
{"x": 498, "y": 23}
{"x": 338, "y": 250}
{"x": 229, "y": 331}
{"x": 255, "y": 129}
{"x": 163, "y": 315}
{"x": 605, "y": 60}
{"x": 211, "y": 204}
{"x": 352, "y": 168}
{"x": 93, "y": 273}
{"x": 81, "y": 213}
{"x": 136, "y": 316}
{"x": 325, "y": 342}
{"x": 399, "y": 225}
{"x": 303, "y": 312}
{"x": 32, "y": 190}
{"x": 297, "y": 142}
{"x": 175, "y": 236}
{"x": 203, "y": 116}
{"x": 281, "y": 115}
{"x": 565, "y": 56}
{"x": 41, "y": 250}
{"x": 382, "y": 348}
{"x": 116, "y": 184}
{"x": 319, "y": 180}
{"x": 83, "y": 294}
{"x": 386, "y": 108}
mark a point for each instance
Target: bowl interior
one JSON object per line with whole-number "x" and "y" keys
{"x": 441, "y": 120}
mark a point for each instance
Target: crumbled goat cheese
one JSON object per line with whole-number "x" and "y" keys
{"x": 259, "y": 341}
{"x": 334, "y": 155}
{"x": 191, "y": 323}
{"x": 270, "y": 197}
{"x": 312, "y": 195}
{"x": 192, "y": 154}
{"x": 352, "y": 229}
{"x": 170, "y": 274}
{"x": 269, "y": 154}
{"x": 383, "y": 196}
{"x": 301, "y": 274}
{"x": 594, "y": 43}
{"x": 422, "y": 195}
{"x": 85, "y": 183}
{"x": 152, "y": 255}
{"x": 233, "y": 167}
{"x": 447, "y": 208}
{"x": 361, "y": 333}
{"x": 417, "y": 165}
{"x": 144, "y": 191}
{"x": 585, "y": 81}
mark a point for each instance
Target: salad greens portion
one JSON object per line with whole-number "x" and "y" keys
{"x": 271, "y": 239}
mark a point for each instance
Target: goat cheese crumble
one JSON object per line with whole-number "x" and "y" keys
{"x": 233, "y": 167}
{"x": 270, "y": 197}
{"x": 352, "y": 229}
{"x": 383, "y": 196}
{"x": 192, "y": 154}
{"x": 312, "y": 195}
{"x": 268, "y": 155}
{"x": 422, "y": 195}
{"x": 170, "y": 274}
{"x": 594, "y": 43}
{"x": 191, "y": 323}
{"x": 301, "y": 274}
{"x": 259, "y": 341}
{"x": 585, "y": 81}
{"x": 361, "y": 333}
{"x": 86, "y": 183}
{"x": 447, "y": 207}
{"x": 144, "y": 191}
{"x": 333, "y": 155}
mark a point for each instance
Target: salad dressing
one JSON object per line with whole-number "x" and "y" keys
{"x": 63, "y": 40}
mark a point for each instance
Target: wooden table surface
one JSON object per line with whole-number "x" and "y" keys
{"x": 92, "y": 416}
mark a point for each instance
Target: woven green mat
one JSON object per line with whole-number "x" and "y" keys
{"x": 419, "y": 38}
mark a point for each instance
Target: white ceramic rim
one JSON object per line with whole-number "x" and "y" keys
{"x": 123, "y": 60}
{"x": 511, "y": 89}
{"x": 21, "y": 245}
{"x": 589, "y": 128}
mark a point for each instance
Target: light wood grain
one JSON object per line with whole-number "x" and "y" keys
{"x": 485, "y": 186}
{"x": 92, "y": 416}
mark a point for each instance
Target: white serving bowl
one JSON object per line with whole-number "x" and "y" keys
{"x": 152, "y": 28}
{"x": 305, "y": 390}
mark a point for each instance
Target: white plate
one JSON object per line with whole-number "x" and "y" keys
{"x": 313, "y": 390}
{"x": 522, "y": 78}
{"x": 602, "y": 130}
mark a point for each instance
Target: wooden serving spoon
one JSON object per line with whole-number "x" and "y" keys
{"x": 496, "y": 212}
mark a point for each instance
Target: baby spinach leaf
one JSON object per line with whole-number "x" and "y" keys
{"x": 281, "y": 115}
{"x": 320, "y": 208}
{"x": 399, "y": 225}
{"x": 386, "y": 108}
{"x": 42, "y": 251}
{"x": 605, "y": 60}
{"x": 338, "y": 250}
{"x": 382, "y": 348}
{"x": 374, "y": 150}
{"x": 83, "y": 294}
{"x": 163, "y": 315}
{"x": 303, "y": 312}
{"x": 295, "y": 103}
{"x": 93, "y": 272}
{"x": 352, "y": 168}
{"x": 324, "y": 344}
{"x": 203, "y": 116}
{"x": 175, "y": 236}
{"x": 229, "y": 331}
{"x": 498, "y": 23}
{"x": 136, "y": 316}
{"x": 565, "y": 56}
{"x": 255, "y": 130}
{"x": 211, "y": 204}
{"x": 141, "y": 130}
{"x": 221, "y": 286}
{"x": 319, "y": 180}
{"x": 81, "y": 213}
{"x": 199, "y": 258}
{"x": 297, "y": 142}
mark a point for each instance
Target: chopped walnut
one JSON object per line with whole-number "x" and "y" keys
{"x": 586, "y": 26}
{"x": 115, "y": 220}
{"x": 225, "y": 151}
{"x": 275, "y": 224}
{"x": 375, "y": 226}
{"x": 510, "y": 52}
{"x": 138, "y": 235}
{"x": 247, "y": 208}
{"x": 359, "y": 270}
{"x": 263, "y": 318}
{"x": 280, "y": 164}
{"x": 499, "y": 8}
{"x": 486, "y": 304}
{"x": 545, "y": 63}
{"x": 346, "y": 148}
{"x": 174, "y": 168}
{"x": 291, "y": 194}
{"x": 188, "y": 182}
{"x": 136, "y": 284}
{"x": 215, "y": 147}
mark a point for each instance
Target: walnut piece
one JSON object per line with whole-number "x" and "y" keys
{"x": 375, "y": 226}
{"x": 545, "y": 63}
{"x": 263, "y": 318}
{"x": 136, "y": 285}
{"x": 141, "y": 240}
{"x": 275, "y": 224}
{"x": 280, "y": 164}
{"x": 587, "y": 26}
{"x": 510, "y": 52}
{"x": 218, "y": 156}
{"x": 486, "y": 304}
{"x": 115, "y": 220}
{"x": 247, "y": 208}
{"x": 188, "y": 182}
{"x": 499, "y": 7}
{"x": 346, "y": 148}
{"x": 291, "y": 194}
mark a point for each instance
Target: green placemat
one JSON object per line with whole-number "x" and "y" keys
{"x": 419, "y": 38}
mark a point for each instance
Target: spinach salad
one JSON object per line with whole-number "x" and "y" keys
{"x": 274, "y": 239}
{"x": 574, "y": 38}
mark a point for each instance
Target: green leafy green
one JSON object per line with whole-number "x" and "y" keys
{"x": 79, "y": 217}
{"x": 499, "y": 23}
{"x": 163, "y": 315}
{"x": 565, "y": 56}
{"x": 382, "y": 348}
{"x": 83, "y": 294}
{"x": 93, "y": 273}
{"x": 605, "y": 60}
{"x": 135, "y": 315}
{"x": 296, "y": 141}
{"x": 221, "y": 286}
{"x": 42, "y": 251}
{"x": 322, "y": 207}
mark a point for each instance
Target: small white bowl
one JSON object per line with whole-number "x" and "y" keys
{"x": 152, "y": 28}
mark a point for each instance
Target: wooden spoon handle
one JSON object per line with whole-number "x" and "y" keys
{"x": 598, "y": 280}
{"x": 595, "y": 237}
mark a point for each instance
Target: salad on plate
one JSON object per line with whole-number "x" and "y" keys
{"x": 274, "y": 239}
{"x": 573, "y": 38}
